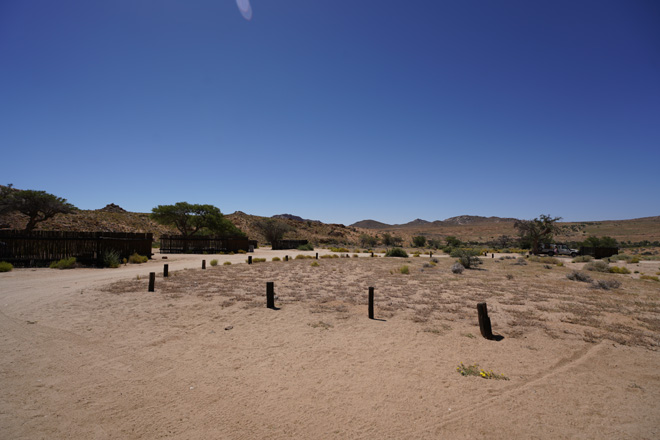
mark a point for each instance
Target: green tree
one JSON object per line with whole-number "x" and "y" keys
{"x": 190, "y": 219}
{"x": 537, "y": 231}
{"x": 38, "y": 206}
{"x": 453, "y": 241}
{"x": 391, "y": 240}
{"x": 419, "y": 241}
{"x": 273, "y": 229}
{"x": 600, "y": 242}
{"x": 368, "y": 241}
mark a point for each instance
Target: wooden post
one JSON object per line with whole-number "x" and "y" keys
{"x": 270, "y": 295}
{"x": 249, "y": 259}
{"x": 286, "y": 258}
{"x": 371, "y": 303}
{"x": 203, "y": 264}
{"x": 372, "y": 254}
{"x": 484, "y": 321}
{"x": 317, "y": 255}
{"x": 165, "y": 271}
{"x": 152, "y": 281}
{"x": 430, "y": 254}
{"x": 492, "y": 255}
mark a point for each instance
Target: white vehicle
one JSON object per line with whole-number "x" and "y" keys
{"x": 557, "y": 249}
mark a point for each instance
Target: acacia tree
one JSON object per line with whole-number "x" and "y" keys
{"x": 537, "y": 231}
{"x": 419, "y": 241}
{"x": 190, "y": 219}
{"x": 273, "y": 229}
{"x": 38, "y": 206}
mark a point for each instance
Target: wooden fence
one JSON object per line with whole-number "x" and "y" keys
{"x": 178, "y": 244}
{"x": 599, "y": 252}
{"x": 42, "y": 247}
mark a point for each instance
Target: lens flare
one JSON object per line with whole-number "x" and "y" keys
{"x": 245, "y": 8}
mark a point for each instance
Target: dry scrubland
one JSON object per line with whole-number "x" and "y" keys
{"x": 203, "y": 358}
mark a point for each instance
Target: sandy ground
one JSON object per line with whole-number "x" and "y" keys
{"x": 90, "y": 354}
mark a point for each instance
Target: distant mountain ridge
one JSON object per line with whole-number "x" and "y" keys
{"x": 459, "y": 220}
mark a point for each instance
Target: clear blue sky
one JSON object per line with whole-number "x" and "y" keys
{"x": 336, "y": 110}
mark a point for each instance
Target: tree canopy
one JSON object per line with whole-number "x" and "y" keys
{"x": 273, "y": 229}
{"x": 190, "y": 219}
{"x": 38, "y": 206}
{"x": 537, "y": 231}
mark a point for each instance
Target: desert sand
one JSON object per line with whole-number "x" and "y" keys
{"x": 91, "y": 354}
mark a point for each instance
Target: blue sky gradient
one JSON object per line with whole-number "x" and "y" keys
{"x": 336, "y": 110}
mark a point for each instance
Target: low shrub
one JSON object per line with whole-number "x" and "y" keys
{"x": 545, "y": 260}
{"x": 257, "y": 260}
{"x": 643, "y": 277}
{"x": 110, "y": 258}
{"x": 277, "y": 259}
{"x": 606, "y": 284}
{"x": 64, "y": 263}
{"x": 579, "y": 276}
{"x": 315, "y": 264}
{"x": 597, "y": 266}
{"x": 339, "y": 249}
{"x": 457, "y": 268}
{"x": 214, "y": 263}
{"x": 137, "y": 259}
{"x": 468, "y": 258}
{"x": 634, "y": 260}
{"x": 355, "y": 256}
{"x": 520, "y": 261}
{"x": 404, "y": 270}
{"x": 241, "y": 251}
{"x": 617, "y": 269}
{"x": 582, "y": 259}
{"x": 396, "y": 252}
{"x": 227, "y": 263}
{"x": 304, "y": 257}
{"x": 5, "y": 267}
{"x": 306, "y": 247}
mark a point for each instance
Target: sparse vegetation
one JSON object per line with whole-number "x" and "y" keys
{"x": 404, "y": 270}
{"x": 338, "y": 249}
{"x": 579, "y": 276}
{"x": 137, "y": 259}
{"x": 396, "y": 252}
{"x": 276, "y": 259}
{"x": 606, "y": 284}
{"x": 474, "y": 370}
{"x": 64, "y": 263}
{"x": 419, "y": 241}
{"x": 621, "y": 270}
{"x": 468, "y": 258}
{"x": 306, "y": 247}
{"x": 214, "y": 263}
{"x": 227, "y": 263}
{"x": 582, "y": 259}
{"x": 457, "y": 268}
{"x": 6, "y": 267}
{"x": 597, "y": 266}
{"x": 110, "y": 258}
{"x": 642, "y": 277}
{"x": 315, "y": 264}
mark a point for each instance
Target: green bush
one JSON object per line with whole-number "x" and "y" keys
{"x": 5, "y": 267}
{"x": 257, "y": 260}
{"x": 419, "y": 241}
{"x": 396, "y": 252}
{"x": 597, "y": 266}
{"x": 305, "y": 257}
{"x": 643, "y": 277}
{"x": 64, "y": 263}
{"x": 110, "y": 258}
{"x": 544, "y": 260}
{"x": 227, "y": 263}
{"x": 325, "y": 256}
{"x": 214, "y": 262}
{"x": 137, "y": 259}
{"x": 315, "y": 264}
{"x": 404, "y": 270}
{"x": 634, "y": 260}
{"x": 583, "y": 259}
{"x": 468, "y": 258}
{"x": 277, "y": 259}
{"x": 306, "y": 247}
{"x": 336, "y": 249}
{"x": 617, "y": 269}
